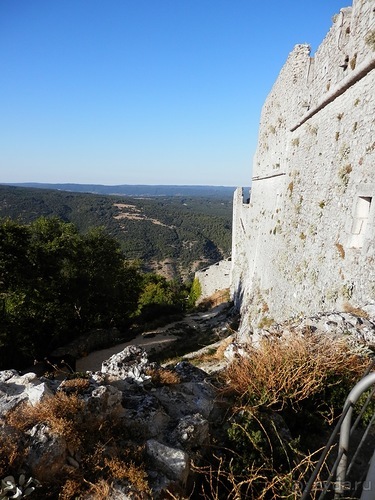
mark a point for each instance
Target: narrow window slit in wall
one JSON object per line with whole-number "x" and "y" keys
{"x": 361, "y": 216}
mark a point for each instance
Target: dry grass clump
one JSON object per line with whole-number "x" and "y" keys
{"x": 357, "y": 311}
{"x": 129, "y": 471}
{"x": 75, "y": 385}
{"x": 11, "y": 454}
{"x": 291, "y": 369}
{"x": 277, "y": 390}
{"x": 260, "y": 482}
{"x": 61, "y": 413}
{"x": 100, "y": 442}
{"x": 163, "y": 376}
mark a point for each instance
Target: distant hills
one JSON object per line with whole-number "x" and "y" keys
{"x": 173, "y": 234}
{"x": 136, "y": 190}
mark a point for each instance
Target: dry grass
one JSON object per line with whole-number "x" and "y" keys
{"x": 357, "y": 311}
{"x": 282, "y": 376}
{"x": 75, "y": 385}
{"x": 213, "y": 354}
{"x": 129, "y": 471}
{"x": 291, "y": 369}
{"x": 61, "y": 413}
{"x": 101, "y": 442}
{"x": 11, "y": 454}
{"x": 163, "y": 376}
{"x": 260, "y": 482}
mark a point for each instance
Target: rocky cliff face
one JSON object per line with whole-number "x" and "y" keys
{"x": 304, "y": 242}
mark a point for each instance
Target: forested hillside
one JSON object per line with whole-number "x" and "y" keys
{"x": 171, "y": 235}
{"x": 56, "y": 284}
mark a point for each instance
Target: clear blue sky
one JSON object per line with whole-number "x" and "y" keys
{"x": 142, "y": 91}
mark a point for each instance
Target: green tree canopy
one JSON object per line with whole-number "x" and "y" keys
{"x": 56, "y": 284}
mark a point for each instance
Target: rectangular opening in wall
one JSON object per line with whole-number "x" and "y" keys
{"x": 361, "y": 215}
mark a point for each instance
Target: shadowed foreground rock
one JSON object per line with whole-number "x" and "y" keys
{"x": 171, "y": 420}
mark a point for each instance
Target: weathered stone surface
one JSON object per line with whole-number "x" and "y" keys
{"x": 186, "y": 399}
{"x": 303, "y": 242}
{"x": 7, "y": 374}
{"x": 104, "y": 400}
{"x": 47, "y": 452}
{"x": 129, "y": 364}
{"x": 189, "y": 373}
{"x": 173, "y": 462}
{"x": 192, "y": 432}
{"x": 144, "y": 414}
{"x": 18, "y": 388}
{"x": 173, "y": 419}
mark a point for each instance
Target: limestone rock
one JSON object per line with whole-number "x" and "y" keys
{"x": 186, "y": 399}
{"x": 17, "y": 388}
{"x": 104, "y": 400}
{"x": 172, "y": 461}
{"x": 7, "y": 374}
{"x": 192, "y": 432}
{"x": 47, "y": 451}
{"x": 171, "y": 419}
{"x": 129, "y": 364}
{"x": 144, "y": 414}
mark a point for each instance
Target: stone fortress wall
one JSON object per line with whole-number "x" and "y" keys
{"x": 304, "y": 242}
{"x": 214, "y": 278}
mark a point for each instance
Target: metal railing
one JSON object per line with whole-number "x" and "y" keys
{"x": 341, "y": 468}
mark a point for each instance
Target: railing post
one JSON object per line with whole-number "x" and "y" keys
{"x": 353, "y": 397}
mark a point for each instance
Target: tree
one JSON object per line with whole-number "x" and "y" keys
{"x": 56, "y": 284}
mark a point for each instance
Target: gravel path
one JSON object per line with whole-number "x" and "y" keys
{"x": 200, "y": 320}
{"x": 93, "y": 361}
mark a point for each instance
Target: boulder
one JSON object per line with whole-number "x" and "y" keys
{"x": 47, "y": 452}
{"x": 174, "y": 463}
{"x": 17, "y": 388}
{"x": 130, "y": 364}
{"x": 192, "y": 432}
{"x": 185, "y": 399}
{"x": 104, "y": 400}
{"x": 144, "y": 414}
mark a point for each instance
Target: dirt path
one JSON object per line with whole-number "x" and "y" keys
{"x": 162, "y": 338}
{"x": 93, "y": 361}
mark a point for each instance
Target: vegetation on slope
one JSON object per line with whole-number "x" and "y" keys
{"x": 277, "y": 406}
{"x": 56, "y": 284}
{"x": 284, "y": 398}
{"x": 167, "y": 234}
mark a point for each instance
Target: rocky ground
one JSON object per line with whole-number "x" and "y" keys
{"x": 170, "y": 406}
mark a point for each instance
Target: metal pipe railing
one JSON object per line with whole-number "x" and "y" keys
{"x": 357, "y": 391}
{"x": 343, "y": 426}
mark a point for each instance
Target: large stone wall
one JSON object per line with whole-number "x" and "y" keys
{"x": 304, "y": 242}
{"x": 214, "y": 278}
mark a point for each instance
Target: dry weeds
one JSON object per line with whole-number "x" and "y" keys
{"x": 61, "y": 413}
{"x": 291, "y": 369}
{"x": 100, "y": 442}
{"x": 256, "y": 482}
{"x": 163, "y": 376}
{"x": 357, "y": 311}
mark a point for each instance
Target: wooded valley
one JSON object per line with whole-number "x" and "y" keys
{"x": 171, "y": 235}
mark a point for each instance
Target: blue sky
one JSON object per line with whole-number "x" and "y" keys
{"x": 142, "y": 91}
